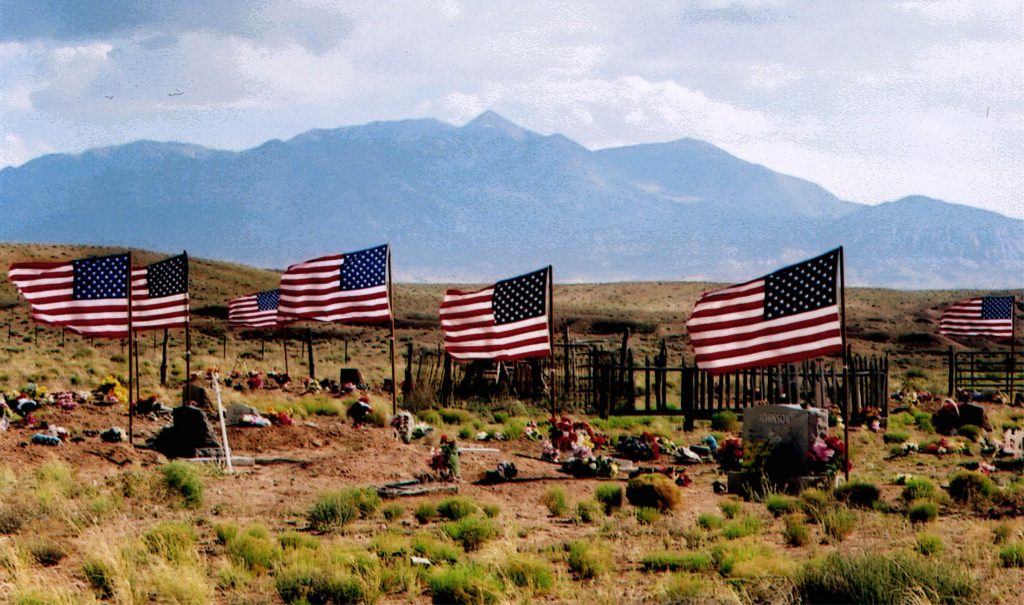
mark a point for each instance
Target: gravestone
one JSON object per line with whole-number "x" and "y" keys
{"x": 352, "y": 375}
{"x": 788, "y": 430}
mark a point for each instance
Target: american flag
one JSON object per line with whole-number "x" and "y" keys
{"x": 506, "y": 321}
{"x": 789, "y": 315}
{"x": 987, "y": 316}
{"x": 89, "y": 296}
{"x": 160, "y": 295}
{"x": 347, "y": 288}
{"x": 255, "y": 310}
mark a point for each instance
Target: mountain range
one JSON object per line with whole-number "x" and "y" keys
{"x": 490, "y": 199}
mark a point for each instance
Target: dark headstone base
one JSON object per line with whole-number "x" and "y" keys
{"x": 747, "y": 484}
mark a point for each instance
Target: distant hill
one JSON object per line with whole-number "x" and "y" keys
{"x": 488, "y": 199}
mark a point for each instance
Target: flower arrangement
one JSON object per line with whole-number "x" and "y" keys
{"x": 575, "y": 438}
{"x": 445, "y": 461}
{"x": 505, "y": 471}
{"x": 872, "y": 418}
{"x": 590, "y": 466}
{"x": 730, "y": 454}
{"x": 826, "y": 456}
{"x": 111, "y": 391}
{"x": 66, "y": 400}
{"x": 645, "y": 447}
{"x": 943, "y": 447}
{"x": 532, "y": 431}
{"x": 280, "y": 418}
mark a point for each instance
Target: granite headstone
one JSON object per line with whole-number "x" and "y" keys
{"x": 787, "y": 429}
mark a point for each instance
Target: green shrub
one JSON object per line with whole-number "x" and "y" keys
{"x": 465, "y": 584}
{"x": 390, "y": 546}
{"x": 709, "y": 521}
{"x": 653, "y": 490}
{"x": 971, "y": 487}
{"x": 254, "y": 550}
{"x": 514, "y": 429}
{"x": 725, "y": 421}
{"x": 741, "y": 528}
{"x": 730, "y": 508}
{"x": 335, "y": 508}
{"x": 673, "y": 561}
{"x": 796, "y": 532}
{"x": 816, "y": 503}
{"x": 918, "y": 488}
{"x": 437, "y": 551}
{"x": 780, "y": 504}
{"x": 589, "y": 561}
{"x": 610, "y": 497}
{"x": 529, "y": 572}
{"x": 922, "y": 511}
{"x": 491, "y": 510}
{"x": 1012, "y": 555}
{"x": 929, "y": 544}
{"x": 556, "y": 501}
{"x": 225, "y": 532}
{"x": 471, "y": 532}
{"x": 293, "y": 540}
{"x": 456, "y": 507}
{"x": 449, "y": 416}
{"x": 903, "y": 420}
{"x": 1001, "y": 532}
{"x": 923, "y": 420}
{"x": 182, "y": 478}
{"x": 47, "y": 554}
{"x": 896, "y": 437}
{"x": 500, "y": 417}
{"x": 425, "y": 512}
{"x": 311, "y": 585}
{"x": 647, "y": 515}
{"x": 970, "y": 431}
{"x": 100, "y": 577}
{"x": 172, "y": 540}
{"x": 858, "y": 494}
{"x": 839, "y": 523}
{"x": 466, "y": 433}
{"x": 883, "y": 578}
{"x": 588, "y": 511}
{"x": 392, "y": 512}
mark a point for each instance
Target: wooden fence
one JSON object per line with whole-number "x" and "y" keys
{"x": 697, "y": 394}
{"x": 985, "y": 370}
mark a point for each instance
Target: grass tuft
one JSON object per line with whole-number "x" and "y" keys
{"x": 184, "y": 479}
{"x": 556, "y": 502}
{"x": 610, "y": 497}
{"x": 588, "y": 560}
{"x": 654, "y": 490}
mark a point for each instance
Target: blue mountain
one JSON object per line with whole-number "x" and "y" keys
{"x": 488, "y": 199}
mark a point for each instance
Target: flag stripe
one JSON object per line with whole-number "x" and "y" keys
{"x": 169, "y": 310}
{"x": 245, "y": 311}
{"x": 472, "y": 330}
{"x": 349, "y": 287}
{"x": 789, "y": 315}
{"x": 967, "y": 318}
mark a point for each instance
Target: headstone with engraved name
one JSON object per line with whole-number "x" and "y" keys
{"x": 787, "y": 429}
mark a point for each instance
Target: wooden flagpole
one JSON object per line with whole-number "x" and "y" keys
{"x": 309, "y": 353}
{"x": 131, "y": 338}
{"x": 1013, "y": 348}
{"x": 391, "y": 303}
{"x": 138, "y": 383}
{"x": 846, "y": 366}
{"x": 188, "y": 364}
{"x": 551, "y": 337}
{"x": 284, "y": 348}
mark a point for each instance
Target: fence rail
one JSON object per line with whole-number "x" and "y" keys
{"x": 985, "y": 370}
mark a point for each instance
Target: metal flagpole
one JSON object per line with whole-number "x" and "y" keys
{"x": 131, "y": 338}
{"x": 846, "y": 367}
{"x": 551, "y": 336}
{"x": 138, "y": 383}
{"x": 391, "y": 303}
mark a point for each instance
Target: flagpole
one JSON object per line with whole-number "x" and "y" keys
{"x": 551, "y": 337}
{"x": 188, "y": 335}
{"x": 846, "y": 366}
{"x": 1013, "y": 348}
{"x": 391, "y": 303}
{"x": 131, "y": 347}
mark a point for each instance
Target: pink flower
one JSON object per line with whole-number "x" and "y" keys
{"x": 822, "y": 451}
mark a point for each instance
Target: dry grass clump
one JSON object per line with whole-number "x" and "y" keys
{"x": 883, "y": 578}
{"x": 610, "y": 497}
{"x": 472, "y": 531}
{"x": 528, "y": 572}
{"x": 653, "y": 490}
{"x": 465, "y": 584}
{"x": 589, "y": 560}
{"x": 335, "y": 508}
{"x": 556, "y": 501}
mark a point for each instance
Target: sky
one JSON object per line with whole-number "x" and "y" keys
{"x": 872, "y": 100}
